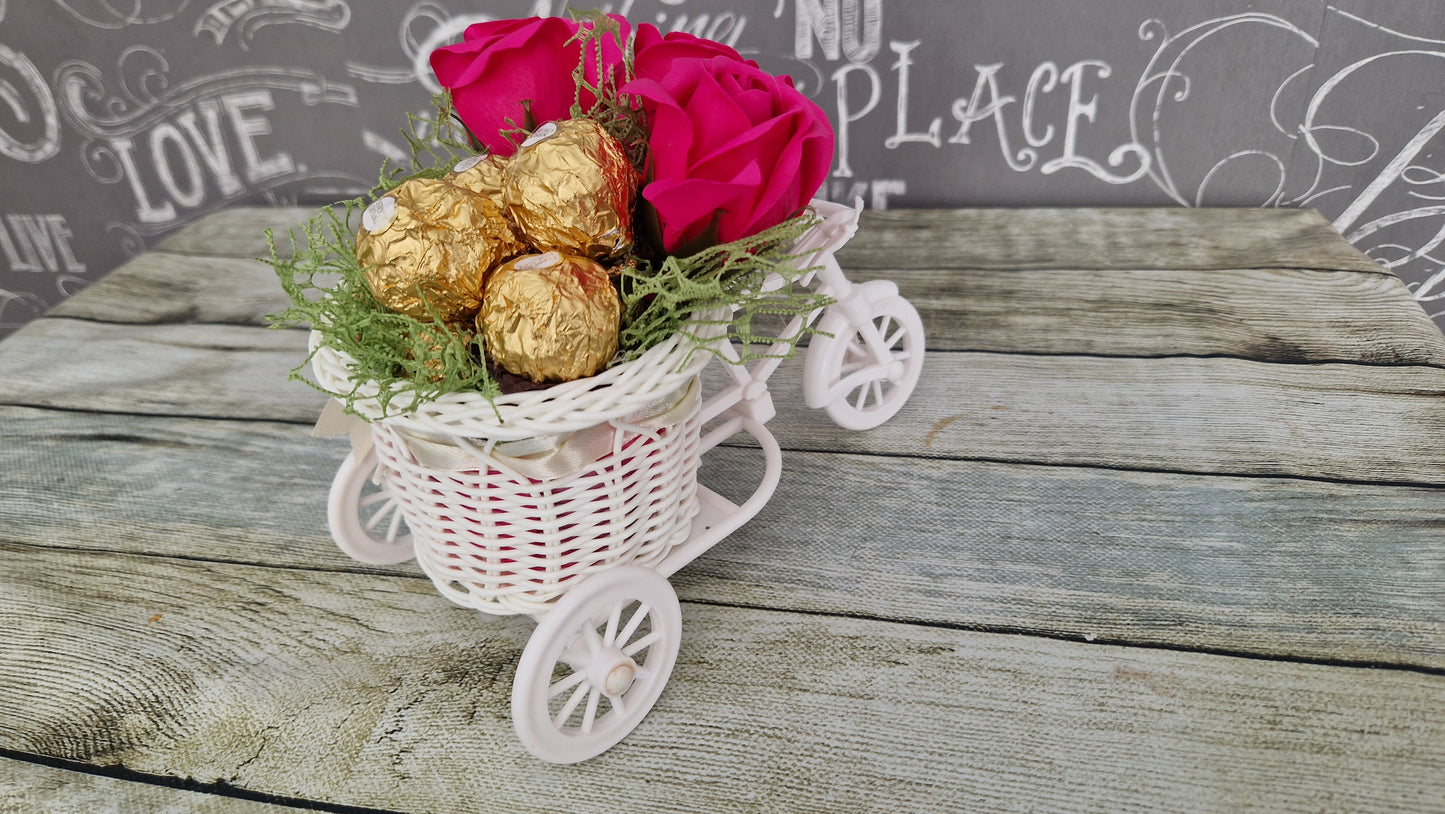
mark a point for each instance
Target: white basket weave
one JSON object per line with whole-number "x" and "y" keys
{"x": 497, "y": 536}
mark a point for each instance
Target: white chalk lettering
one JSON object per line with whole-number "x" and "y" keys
{"x": 145, "y": 211}
{"x": 38, "y": 243}
{"x": 248, "y": 128}
{"x": 46, "y": 143}
{"x": 1043, "y": 80}
{"x": 883, "y": 188}
{"x": 974, "y": 109}
{"x": 190, "y": 151}
{"x": 854, "y": 31}
{"x": 726, "y": 28}
{"x": 876, "y": 192}
{"x": 210, "y": 145}
{"x": 1073, "y": 76}
{"x": 193, "y": 193}
{"x": 902, "y": 136}
{"x": 847, "y": 115}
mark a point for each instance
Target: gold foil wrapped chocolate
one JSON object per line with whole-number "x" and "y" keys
{"x": 430, "y": 243}
{"x": 550, "y": 317}
{"x": 571, "y": 188}
{"x": 481, "y": 174}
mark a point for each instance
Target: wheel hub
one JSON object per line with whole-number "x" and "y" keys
{"x": 896, "y": 369}
{"x": 612, "y": 672}
{"x": 619, "y": 680}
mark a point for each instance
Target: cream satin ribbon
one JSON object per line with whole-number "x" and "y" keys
{"x": 541, "y": 457}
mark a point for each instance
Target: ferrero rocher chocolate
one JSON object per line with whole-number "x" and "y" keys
{"x": 481, "y": 174}
{"x": 428, "y": 242}
{"x": 571, "y": 188}
{"x": 550, "y": 317}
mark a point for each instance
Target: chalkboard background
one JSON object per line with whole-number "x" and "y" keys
{"x": 121, "y": 120}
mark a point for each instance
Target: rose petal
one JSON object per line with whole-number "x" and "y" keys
{"x": 715, "y": 117}
{"x": 655, "y": 54}
{"x": 730, "y": 143}
{"x": 687, "y": 207}
{"x": 501, "y": 63}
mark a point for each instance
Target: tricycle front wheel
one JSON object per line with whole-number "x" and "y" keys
{"x": 596, "y": 664}
{"x": 862, "y": 374}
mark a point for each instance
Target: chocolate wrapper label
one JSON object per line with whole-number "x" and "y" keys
{"x": 546, "y": 131}
{"x": 467, "y": 163}
{"x": 379, "y": 215}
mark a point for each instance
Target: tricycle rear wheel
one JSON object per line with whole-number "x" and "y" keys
{"x": 364, "y": 515}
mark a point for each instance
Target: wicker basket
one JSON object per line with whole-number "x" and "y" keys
{"x": 515, "y": 501}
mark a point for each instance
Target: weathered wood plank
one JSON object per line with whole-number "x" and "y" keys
{"x": 373, "y": 691}
{"x": 28, "y": 788}
{"x": 1075, "y": 238}
{"x": 162, "y": 287}
{"x": 1091, "y": 238}
{"x": 239, "y": 232}
{"x": 1007, "y": 286}
{"x": 1272, "y": 315}
{"x": 1289, "y": 315}
{"x": 226, "y": 371}
{"x": 1210, "y": 415}
{"x": 1057, "y": 551}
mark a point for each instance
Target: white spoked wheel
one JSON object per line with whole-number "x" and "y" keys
{"x": 596, "y": 664}
{"x": 862, "y": 375}
{"x": 364, "y": 516}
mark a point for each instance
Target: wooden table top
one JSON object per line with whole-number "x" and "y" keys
{"x": 1160, "y": 530}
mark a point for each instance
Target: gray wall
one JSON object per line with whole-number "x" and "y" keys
{"x": 121, "y": 120}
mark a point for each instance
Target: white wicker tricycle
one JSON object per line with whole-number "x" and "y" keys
{"x": 574, "y": 504}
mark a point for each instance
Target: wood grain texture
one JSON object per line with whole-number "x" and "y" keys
{"x": 240, "y": 232}
{"x": 1284, "y": 315}
{"x": 1100, "y": 238}
{"x": 1064, "y": 238}
{"x": 1210, "y": 415}
{"x": 1269, "y": 314}
{"x": 1058, "y": 551}
{"x": 163, "y": 287}
{"x": 1014, "y": 283}
{"x": 225, "y": 371}
{"x": 1205, "y": 479}
{"x": 374, "y": 691}
{"x": 27, "y": 788}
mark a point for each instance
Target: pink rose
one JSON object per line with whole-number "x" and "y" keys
{"x": 734, "y": 149}
{"x": 499, "y": 64}
{"x": 654, "y": 53}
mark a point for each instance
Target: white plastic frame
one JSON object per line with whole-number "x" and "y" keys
{"x": 862, "y": 364}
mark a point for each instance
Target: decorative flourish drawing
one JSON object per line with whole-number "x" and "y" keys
{"x": 144, "y": 96}
{"x": 1166, "y": 85}
{"x": 426, "y": 26}
{"x": 31, "y": 105}
{"x": 1396, "y": 216}
{"x": 1370, "y": 174}
{"x": 19, "y": 307}
{"x": 113, "y": 14}
{"x": 250, "y": 15}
